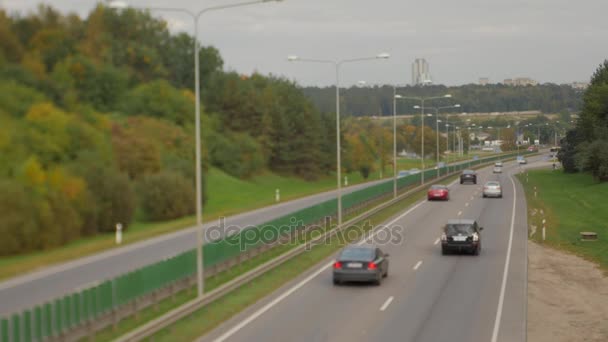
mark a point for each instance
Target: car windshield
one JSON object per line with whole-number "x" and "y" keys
{"x": 492, "y": 184}
{"x": 438, "y": 187}
{"x": 455, "y": 229}
{"x": 468, "y": 172}
{"x": 357, "y": 254}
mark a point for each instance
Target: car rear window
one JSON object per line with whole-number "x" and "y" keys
{"x": 438, "y": 187}
{"x": 468, "y": 172}
{"x": 357, "y": 254}
{"x": 492, "y": 184}
{"x": 454, "y": 229}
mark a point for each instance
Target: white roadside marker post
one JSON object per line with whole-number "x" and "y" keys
{"x": 118, "y": 233}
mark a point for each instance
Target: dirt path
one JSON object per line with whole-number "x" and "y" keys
{"x": 567, "y": 297}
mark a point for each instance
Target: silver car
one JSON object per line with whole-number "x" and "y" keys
{"x": 497, "y": 169}
{"x": 492, "y": 189}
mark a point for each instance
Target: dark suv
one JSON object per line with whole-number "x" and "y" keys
{"x": 468, "y": 176}
{"x": 461, "y": 235}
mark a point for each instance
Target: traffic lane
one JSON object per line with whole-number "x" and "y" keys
{"x": 455, "y": 296}
{"x": 325, "y": 308}
{"x": 57, "y": 281}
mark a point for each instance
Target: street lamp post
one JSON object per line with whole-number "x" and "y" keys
{"x": 437, "y": 128}
{"x": 197, "y": 113}
{"x": 337, "y": 64}
{"x": 422, "y": 100}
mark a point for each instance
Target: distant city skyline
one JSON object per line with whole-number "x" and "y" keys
{"x": 556, "y": 41}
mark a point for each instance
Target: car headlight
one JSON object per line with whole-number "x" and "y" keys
{"x": 444, "y": 237}
{"x": 475, "y": 237}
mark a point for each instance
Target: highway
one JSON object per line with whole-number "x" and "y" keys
{"x": 427, "y": 296}
{"x": 35, "y": 288}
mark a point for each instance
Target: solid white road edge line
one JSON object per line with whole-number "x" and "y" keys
{"x": 418, "y": 265}
{"x": 294, "y": 288}
{"x": 505, "y": 273}
{"x": 387, "y": 303}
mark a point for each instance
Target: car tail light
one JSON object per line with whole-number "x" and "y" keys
{"x": 337, "y": 264}
{"x": 372, "y": 266}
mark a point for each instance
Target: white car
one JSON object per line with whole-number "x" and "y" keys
{"x": 497, "y": 169}
{"x": 492, "y": 189}
{"x": 522, "y": 161}
{"x": 498, "y": 164}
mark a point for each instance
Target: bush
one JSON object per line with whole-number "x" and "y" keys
{"x": 238, "y": 155}
{"x": 30, "y": 221}
{"x": 166, "y": 196}
{"x": 114, "y": 198}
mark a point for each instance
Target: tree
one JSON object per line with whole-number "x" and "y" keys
{"x": 166, "y": 196}
{"x": 114, "y": 196}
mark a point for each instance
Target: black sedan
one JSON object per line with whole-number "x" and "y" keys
{"x": 366, "y": 263}
{"x": 468, "y": 176}
{"x": 461, "y": 235}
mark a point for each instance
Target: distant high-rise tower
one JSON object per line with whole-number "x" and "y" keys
{"x": 420, "y": 72}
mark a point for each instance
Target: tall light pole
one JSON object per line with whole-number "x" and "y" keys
{"x": 437, "y": 109}
{"x": 197, "y": 113}
{"x": 422, "y": 100}
{"x": 337, "y": 64}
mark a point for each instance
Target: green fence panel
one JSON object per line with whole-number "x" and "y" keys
{"x": 4, "y": 334}
{"x": 37, "y": 330}
{"x": 104, "y": 291}
{"x": 58, "y": 316}
{"x": 47, "y": 320}
{"x": 87, "y": 313}
{"x": 27, "y": 326}
{"x": 16, "y": 328}
{"x": 77, "y": 307}
{"x": 66, "y": 304}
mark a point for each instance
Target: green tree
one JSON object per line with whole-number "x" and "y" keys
{"x": 166, "y": 196}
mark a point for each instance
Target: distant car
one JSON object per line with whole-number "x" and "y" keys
{"x": 492, "y": 189}
{"x": 461, "y": 235}
{"x": 366, "y": 263}
{"x": 532, "y": 149}
{"x": 402, "y": 174}
{"x": 468, "y": 176}
{"x": 522, "y": 160}
{"x": 497, "y": 169}
{"x": 498, "y": 163}
{"x": 414, "y": 171}
{"x": 438, "y": 192}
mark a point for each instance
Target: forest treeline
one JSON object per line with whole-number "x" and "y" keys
{"x": 97, "y": 124}
{"x": 377, "y": 100}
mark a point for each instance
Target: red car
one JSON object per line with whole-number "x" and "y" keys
{"x": 438, "y": 192}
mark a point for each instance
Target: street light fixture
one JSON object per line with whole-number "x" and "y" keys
{"x": 422, "y": 100}
{"x": 337, "y": 64}
{"x": 117, "y": 4}
{"x": 437, "y": 130}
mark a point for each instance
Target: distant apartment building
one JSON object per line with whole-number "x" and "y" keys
{"x": 579, "y": 85}
{"x": 484, "y": 81}
{"x": 420, "y": 72}
{"x": 520, "y": 82}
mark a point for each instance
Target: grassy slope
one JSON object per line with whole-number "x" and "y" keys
{"x": 228, "y": 197}
{"x": 571, "y": 204}
{"x": 254, "y": 193}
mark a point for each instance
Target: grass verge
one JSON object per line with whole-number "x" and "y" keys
{"x": 570, "y": 204}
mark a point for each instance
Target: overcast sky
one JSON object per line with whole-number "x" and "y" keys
{"x": 548, "y": 40}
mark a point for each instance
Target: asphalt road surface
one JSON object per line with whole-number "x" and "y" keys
{"x": 427, "y": 296}
{"x": 35, "y": 288}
